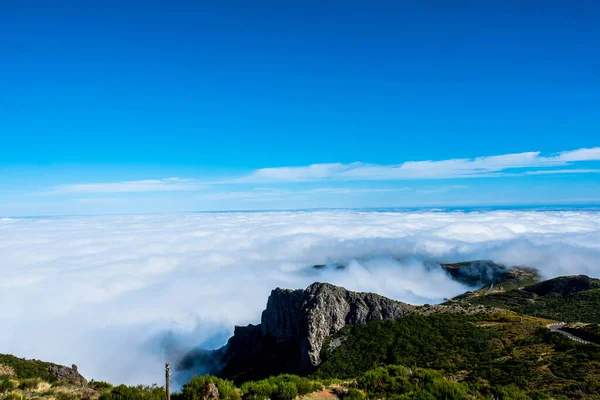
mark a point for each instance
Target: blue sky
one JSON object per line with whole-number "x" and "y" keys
{"x": 119, "y": 107}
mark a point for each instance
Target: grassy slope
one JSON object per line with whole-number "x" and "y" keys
{"x": 570, "y": 299}
{"x": 23, "y": 369}
{"x": 501, "y": 348}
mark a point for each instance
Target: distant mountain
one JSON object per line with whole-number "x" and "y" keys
{"x": 565, "y": 298}
{"x": 486, "y": 272}
{"x": 474, "y": 273}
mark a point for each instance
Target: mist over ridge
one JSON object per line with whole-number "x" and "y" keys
{"x": 118, "y": 294}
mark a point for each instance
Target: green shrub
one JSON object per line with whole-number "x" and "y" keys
{"x": 66, "y": 396}
{"x": 7, "y": 385}
{"x": 285, "y": 391}
{"x": 510, "y": 392}
{"x": 13, "y": 396}
{"x": 30, "y": 384}
{"x": 355, "y": 394}
{"x": 445, "y": 389}
{"x": 306, "y": 386}
{"x": 421, "y": 395}
{"x": 257, "y": 390}
{"x": 123, "y": 392}
{"x": 99, "y": 385}
{"x": 196, "y": 388}
{"x": 380, "y": 381}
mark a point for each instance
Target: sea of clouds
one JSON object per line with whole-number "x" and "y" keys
{"x": 119, "y": 295}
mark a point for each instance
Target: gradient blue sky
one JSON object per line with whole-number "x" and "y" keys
{"x": 104, "y": 103}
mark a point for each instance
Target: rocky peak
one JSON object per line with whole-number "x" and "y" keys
{"x": 63, "y": 373}
{"x": 310, "y": 316}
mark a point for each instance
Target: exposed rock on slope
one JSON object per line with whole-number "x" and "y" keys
{"x": 292, "y": 331}
{"x": 23, "y": 368}
{"x": 310, "y": 316}
{"x": 294, "y": 327}
{"x": 63, "y": 373}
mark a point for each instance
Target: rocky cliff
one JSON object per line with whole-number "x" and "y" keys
{"x": 310, "y": 316}
{"x": 293, "y": 328}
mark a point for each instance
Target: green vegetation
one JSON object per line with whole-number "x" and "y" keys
{"x": 437, "y": 341}
{"x": 500, "y": 355}
{"x": 578, "y": 307}
{"x": 282, "y": 387}
{"x": 123, "y": 392}
{"x": 570, "y": 299}
{"x": 199, "y": 386}
{"x": 500, "y": 349}
{"x": 27, "y": 368}
{"x": 590, "y": 332}
{"x": 35, "y": 388}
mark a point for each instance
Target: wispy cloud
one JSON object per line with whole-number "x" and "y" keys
{"x": 505, "y": 165}
{"x": 442, "y": 189}
{"x": 492, "y": 166}
{"x": 269, "y": 194}
{"x": 149, "y": 185}
{"x": 563, "y": 171}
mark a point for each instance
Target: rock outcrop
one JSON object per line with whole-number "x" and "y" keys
{"x": 63, "y": 373}
{"x": 310, "y": 316}
{"x": 293, "y": 328}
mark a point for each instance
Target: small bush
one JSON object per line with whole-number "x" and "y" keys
{"x": 196, "y": 388}
{"x": 259, "y": 390}
{"x": 99, "y": 385}
{"x": 30, "y": 384}
{"x": 13, "y": 396}
{"x": 123, "y": 392}
{"x": 7, "y": 385}
{"x": 66, "y": 396}
{"x": 355, "y": 394}
{"x": 285, "y": 391}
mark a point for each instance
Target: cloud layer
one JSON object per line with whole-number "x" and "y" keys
{"x": 117, "y": 295}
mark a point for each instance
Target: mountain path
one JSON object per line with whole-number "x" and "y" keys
{"x": 558, "y": 328}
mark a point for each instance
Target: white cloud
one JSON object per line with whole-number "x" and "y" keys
{"x": 563, "y": 171}
{"x": 492, "y": 166}
{"x": 148, "y": 185}
{"x": 480, "y": 167}
{"x": 592, "y": 154}
{"x": 105, "y": 292}
{"x": 270, "y": 194}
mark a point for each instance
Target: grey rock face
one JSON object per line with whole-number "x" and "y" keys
{"x": 63, "y": 373}
{"x": 310, "y": 316}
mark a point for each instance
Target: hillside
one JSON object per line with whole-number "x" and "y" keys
{"x": 356, "y": 346}
{"x": 501, "y": 348}
{"x": 21, "y": 368}
{"x": 486, "y": 273}
{"x": 567, "y": 298}
{"x": 293, "y": 328}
